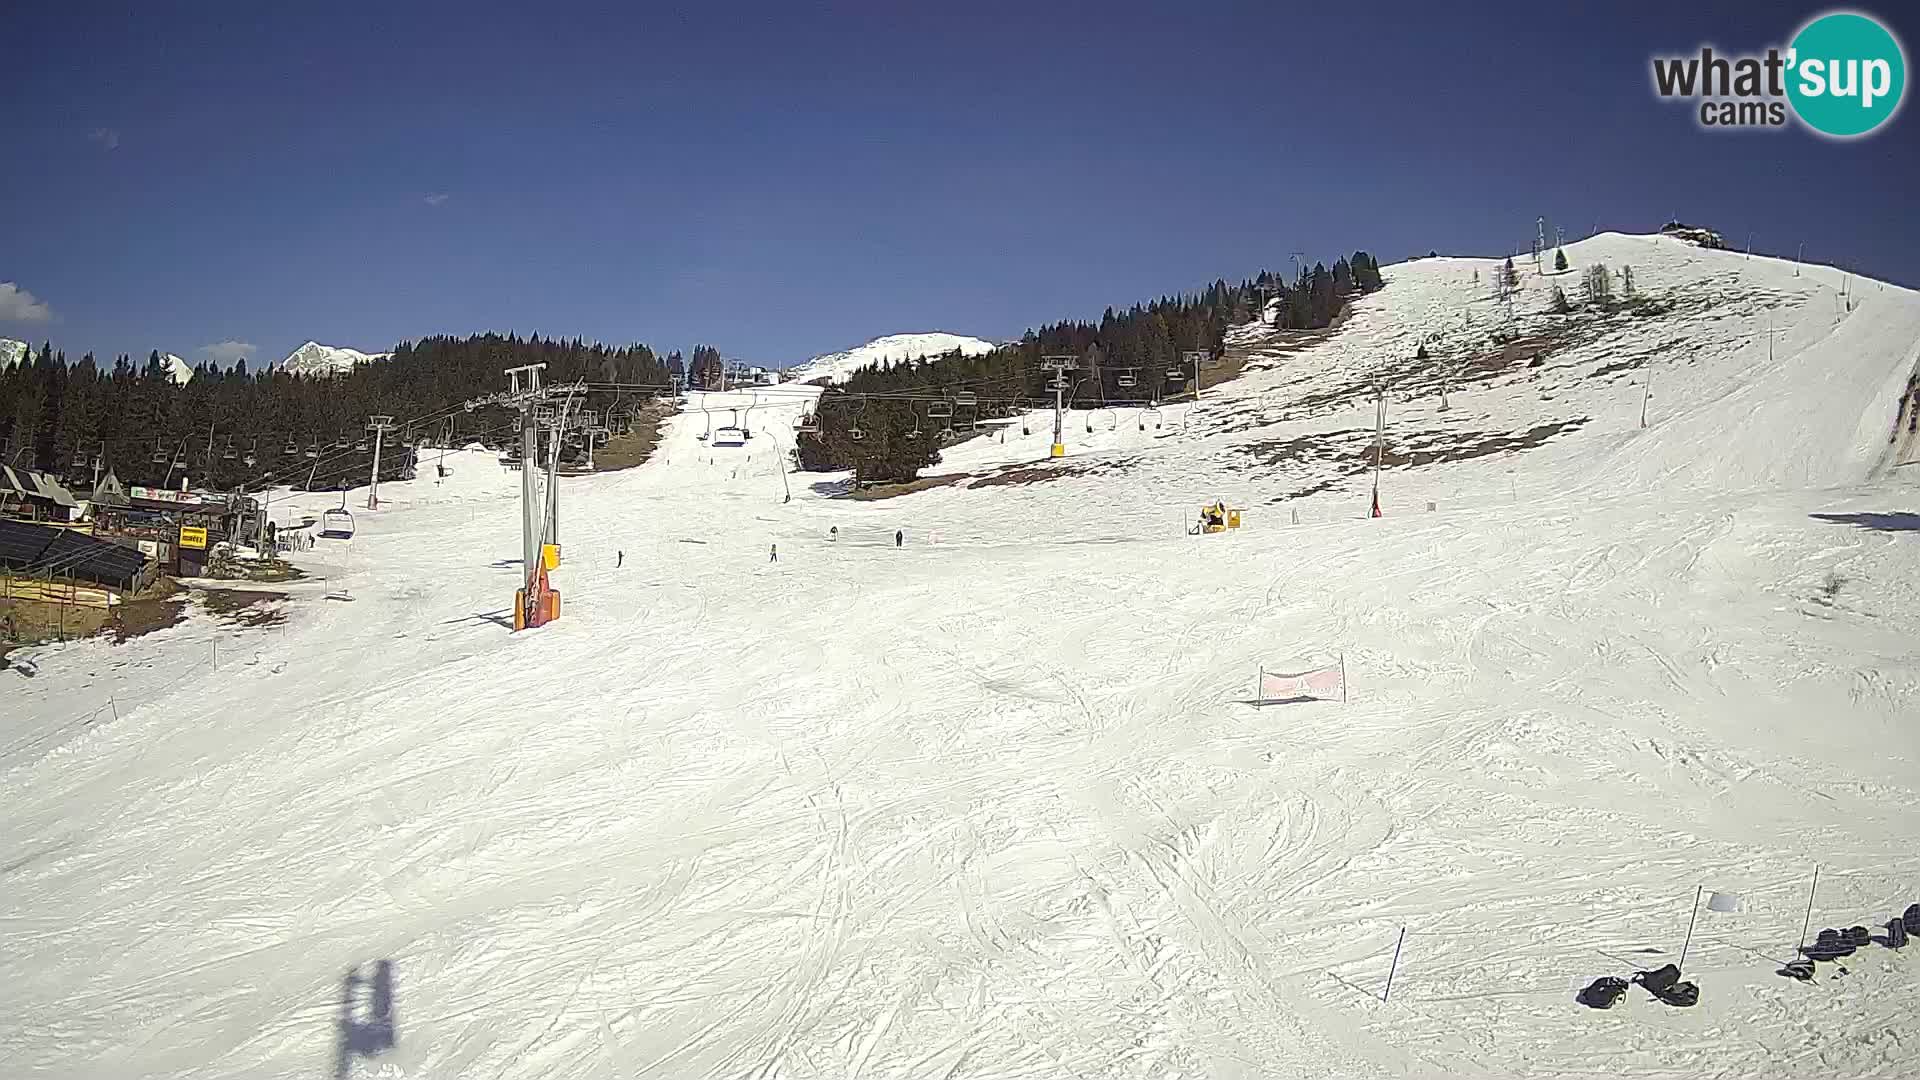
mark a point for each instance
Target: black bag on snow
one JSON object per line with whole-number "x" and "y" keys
{"x": 1680, "y": 995}
{"x": 1659, "y": 979}
{"x": 1602, "y": 993}
{"x": 1896, "y": 934}
{"x": 1912, "y": 918}
{"x": 1798, "y": 969}
{"x": 1830, "y": 945}
{"x": 1856, "y": 936}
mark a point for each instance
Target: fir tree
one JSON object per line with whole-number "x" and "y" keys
{"x": 1559, "y": 260}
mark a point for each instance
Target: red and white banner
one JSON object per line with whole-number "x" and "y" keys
{"x": 1319, "y": 682}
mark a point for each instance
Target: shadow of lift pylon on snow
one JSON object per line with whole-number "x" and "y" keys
{"x": 1894, "y": 522}
{"x": 365, "y": 1027}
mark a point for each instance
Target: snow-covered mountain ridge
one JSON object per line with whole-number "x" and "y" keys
{"x": 890, "y": 349}
{"x": 316, "y": 359}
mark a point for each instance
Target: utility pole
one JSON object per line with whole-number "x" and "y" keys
{"x": 379, "y": 425}
{"x": 1647, "y": 394}
{"x": 1194, "y": 356}
{"x": 1059, "y": 365}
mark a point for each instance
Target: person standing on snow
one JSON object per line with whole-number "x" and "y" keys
{"x": 618, "y": 558}
{"x": 773, "y": 553}
{"x": 833, "y": 535}
{"x": 899, "y": 537}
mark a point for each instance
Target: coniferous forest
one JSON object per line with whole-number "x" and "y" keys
{"x": 230, "y": 428}
{"x": 243, "y": 428}
{"x": 1132, "y": 356}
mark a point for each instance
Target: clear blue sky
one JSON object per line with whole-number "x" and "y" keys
{"x": 781, "y": 181}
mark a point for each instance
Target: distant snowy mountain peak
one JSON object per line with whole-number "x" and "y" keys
{"x": 316, "y": 359}
{"x": 12, "y": 352}
{"x": 890, "y": 349}
{"x": 178, "y": 370}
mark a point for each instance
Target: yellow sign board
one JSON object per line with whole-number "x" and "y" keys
{"x": 192, "y": 537}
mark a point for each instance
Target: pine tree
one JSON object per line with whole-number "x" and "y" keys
{"x": 1559, "y": 260}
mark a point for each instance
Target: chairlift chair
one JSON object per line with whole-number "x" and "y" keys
{"x": 229, "y": 453}
{"x": 290, "y": 449}
{"x": 361, "y": 447}
{"x": 253, "y": 455}
{"x": 965, "y": 399}
{"x": 159, "y": 453}
{"x": 313, "y": 449}
{"x": 1126, "y": 379}
{"x": 940, "y": 410}
{"x": 853, "y": 431}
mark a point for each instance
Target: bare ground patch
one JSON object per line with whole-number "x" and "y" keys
{"x": 634, "y": 448}
{"x": 1018, "y": 475}
{"x": 889, "y": 491}
{"x": 1350, "y": 451}
{"x": 245, "y": 607}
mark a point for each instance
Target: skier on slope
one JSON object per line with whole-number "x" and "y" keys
{"x": 899, "y": 537}
{"x": 833, "y": 534}
{"x": 619, "y": 557}
{"x": 773, "y": 553}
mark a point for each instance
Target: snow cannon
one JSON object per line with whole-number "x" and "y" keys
{"x": 1218, "y": 517}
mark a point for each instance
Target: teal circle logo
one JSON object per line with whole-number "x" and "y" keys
{"x": 1846, "y": 74}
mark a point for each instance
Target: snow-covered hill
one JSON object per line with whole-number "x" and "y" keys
{"x": 177, "y": 369}
{"x": 994, "y": 802}
{"x": 12, "y": 352}
{"x": 315, "y": 359}
{"x": 890, "y": 349}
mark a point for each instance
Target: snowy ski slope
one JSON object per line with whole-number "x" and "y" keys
{"x": 990, "y": 805}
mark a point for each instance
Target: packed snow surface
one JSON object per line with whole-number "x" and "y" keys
{"x": 891, "y": 349}
{"x": 314, "y": 358}
{"x": 993, "y": 803}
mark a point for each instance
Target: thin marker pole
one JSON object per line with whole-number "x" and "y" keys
{"x": 1804, "y": 926}
{"x": 1395, "y": 966}
{"x": 1690, "y": 921}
